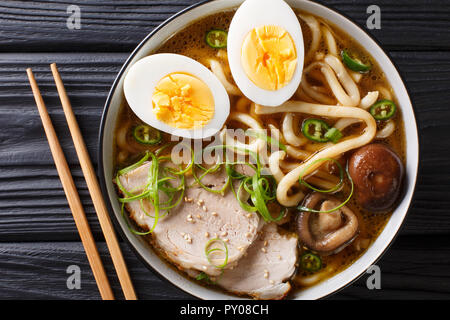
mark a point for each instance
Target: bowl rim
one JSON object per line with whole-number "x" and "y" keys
{"x": 125, "y": 65}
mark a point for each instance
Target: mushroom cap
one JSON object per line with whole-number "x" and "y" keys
{"x": 326, "y": 233}
{"x": 377, "y": 173}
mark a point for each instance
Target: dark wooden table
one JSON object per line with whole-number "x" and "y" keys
{"x": 38, "y": 238}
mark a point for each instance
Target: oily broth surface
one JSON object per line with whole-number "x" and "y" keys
{"x": 191, "y": 42}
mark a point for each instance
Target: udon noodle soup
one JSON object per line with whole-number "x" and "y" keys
{"x": 287, "y": 208}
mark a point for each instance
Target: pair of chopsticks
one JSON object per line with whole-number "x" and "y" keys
{"x": 73, "y": 197}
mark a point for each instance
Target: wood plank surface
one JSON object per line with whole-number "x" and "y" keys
{"x": 411, "y": 269}
{"x": 39, "y": 271}
{"x": 38, "y": 238}
{"x": 120, "y": 25}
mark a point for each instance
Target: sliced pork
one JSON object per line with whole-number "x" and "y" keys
{"x": 184, "y": 232}
{"x": 265, "y": 269}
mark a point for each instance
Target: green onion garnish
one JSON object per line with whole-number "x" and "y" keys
{"x": 151, "y": 190}
{"x": 207, "y": 171}
{"x": 134, "y": 166}
{"x": 335, "y": 188}
{"x": 139, "y": 233}
{"x": 261, "y": 189}
{"x": 209, "y": 250}
{"x": 269, "y": 140}
{"x": 333, "y": 135}
{"x": 204, "y": 277}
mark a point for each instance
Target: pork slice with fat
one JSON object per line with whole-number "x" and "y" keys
{"x": 264, "y": 271}
{"x": 183, "y": 233}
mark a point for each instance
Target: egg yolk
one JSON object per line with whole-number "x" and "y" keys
{"x": 269, "y": 57}
{"x": 183, "y": 101}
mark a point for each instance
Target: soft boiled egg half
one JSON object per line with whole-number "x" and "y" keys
{"x": 266, "y": 51}
{"x": 177, "y": 95}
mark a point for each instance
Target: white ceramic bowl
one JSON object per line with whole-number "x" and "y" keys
{"x": 178, "y": 22}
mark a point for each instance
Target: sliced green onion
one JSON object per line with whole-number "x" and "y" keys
{"x": 188, "y": 167}
{"x": 258, "y": 198}
{"x": 232, "y": 173}
{"x": 261, "y": 189}
{"x": 132, "y": 230}
{"x": 171, "y": 191}
{"x": 153, "y": 188}
{"x": 150, "y": 191}
{"x": 303, "y": 208}
{"x": 134, "y": 166}
{"x": 201, "y": 276}
{"x": 209, "y": 251}
{"x": 204, "y": 277}
{"x": 335, "y": 188}
{"x": 207, "y": 171}
{"x": 269, "y": 140}
{"x": 251, "y": 153}
{"x": 258, "y": 188}
{"x": 164, "y": 147}
{"x": 333, "y": 135}
{"x": 244, "y": 205}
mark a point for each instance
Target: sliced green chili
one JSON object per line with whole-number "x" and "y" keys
{"x": 145, "y": 134}
{"x": 354, "y": 63}
{"x": 310, "y": 262}
{"x": 315, "y": 130}
{"x": 319, "y": 131}
{"x": 383, "y": 109}
{"x": 216, "y": 38}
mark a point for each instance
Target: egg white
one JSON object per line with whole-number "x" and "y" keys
{"x": 143, "y": 77}
{"x": 253, "y": 14}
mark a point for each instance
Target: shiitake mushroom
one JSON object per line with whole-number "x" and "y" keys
{"x": 326, "y": 232}
{"x": 377, "y": 174}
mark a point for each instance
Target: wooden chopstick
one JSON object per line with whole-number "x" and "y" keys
{"x": 94, "y": 190}
{"x": 72, "y": 195}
